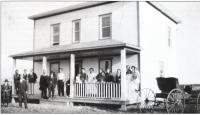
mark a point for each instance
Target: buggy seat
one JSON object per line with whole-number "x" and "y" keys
{"x": 166, "y": 85}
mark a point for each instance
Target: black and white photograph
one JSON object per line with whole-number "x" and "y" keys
{"x": 100, "y": 57}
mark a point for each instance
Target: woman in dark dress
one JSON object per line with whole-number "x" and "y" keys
{"x": 101, "y": 76}
{"x": 44, "y": 85}
{"x": 118, "y": 76}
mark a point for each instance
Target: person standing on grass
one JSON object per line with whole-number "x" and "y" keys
{"x": 43, "y": 85}
{"x": 6, "y": 92}
{"x": 52, "y": 80}
{"x": 32, "y": 77}
{"x": 16, "y": 81}
{"x": 23, "y": 89}
{"x": 61, "y": 77}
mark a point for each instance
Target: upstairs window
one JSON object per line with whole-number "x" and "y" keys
{"x": 105, "y": 26}
{"x": 76, "y": 31}
{"x": 55, "y": 30}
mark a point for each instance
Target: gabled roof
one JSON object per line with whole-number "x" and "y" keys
{"x": 90, "y": 4}
{"x": 93, "y": 45}
{"x": 69, "y": 9}
{"x": 164, "y": 11}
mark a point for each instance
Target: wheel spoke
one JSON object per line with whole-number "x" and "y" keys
{"x": 147, "y": 100}
{"x": 175, "y": 101}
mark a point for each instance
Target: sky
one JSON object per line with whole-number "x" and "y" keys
{"x": 17, "y": 34}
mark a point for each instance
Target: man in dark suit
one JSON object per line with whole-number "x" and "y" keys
{"x": 25, "y": 75}
{"x": 23, "y": 89}
{"x": 32, "y": 78}
{"x": 16, "y": 81}
{"x": 108, "y": 76}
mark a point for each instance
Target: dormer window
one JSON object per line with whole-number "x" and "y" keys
{"x": 76, "y": 30}
{"x": 105, "y": 26}
{"x": 55, "y": 36}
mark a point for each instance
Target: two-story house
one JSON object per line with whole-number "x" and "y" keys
{"x": 105, "y": 35}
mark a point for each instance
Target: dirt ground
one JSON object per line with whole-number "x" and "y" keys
{"x": 50, "y": 108}
{"x": 62, "y": 108}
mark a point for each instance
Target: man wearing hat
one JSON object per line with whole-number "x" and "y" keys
{"x": 23, "y": 89}
{"x": 6, "y": 92}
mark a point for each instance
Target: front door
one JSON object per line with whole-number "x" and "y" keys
{"x": 54, "y": 67}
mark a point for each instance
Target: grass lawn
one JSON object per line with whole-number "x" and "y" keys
{"x": 60, "y": 108}
{"x": 48, "y": 107}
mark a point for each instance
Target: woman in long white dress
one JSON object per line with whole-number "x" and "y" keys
{"x": 91, "y": 86}
{"x": 133, "y": 85}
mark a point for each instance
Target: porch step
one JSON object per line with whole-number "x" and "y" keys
{"x": 98, "y": 101}
{"x": 31, "y": 99}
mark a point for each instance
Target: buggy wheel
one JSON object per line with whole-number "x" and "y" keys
{"x": 198, "y": 103}
{"x": 147, "y": 100}
{"x": 175, "y": 102}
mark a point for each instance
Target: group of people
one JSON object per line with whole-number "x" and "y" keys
{"x": 30, "y": 78}
{"x": 48, "y": 84}
{"x": 24, "y": 84}
{"x": 106, "y": 76}
{"x": 132, "y": 79}
{"x": 92, "y": 77}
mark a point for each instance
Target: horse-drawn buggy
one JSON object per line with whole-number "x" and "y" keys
{"x": 173, "y": 96}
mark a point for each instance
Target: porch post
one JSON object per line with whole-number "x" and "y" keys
{"x": 14, "y": 68}
{"x": 44, "y": 64}
{"x": 72, "y": 74}
{"x": 123, "y": 78}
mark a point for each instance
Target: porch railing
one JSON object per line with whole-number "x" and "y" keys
{"x": 98, "y": 90}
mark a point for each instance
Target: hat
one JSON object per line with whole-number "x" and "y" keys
{"x": 6, "y": 80}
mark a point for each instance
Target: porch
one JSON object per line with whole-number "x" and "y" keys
{"x": 109, "y": 93}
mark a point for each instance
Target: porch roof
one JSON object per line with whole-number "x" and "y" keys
{"x": 83, "y": 46}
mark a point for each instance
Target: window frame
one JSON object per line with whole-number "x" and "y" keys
{"x": 100, "y": 26}
{"x": 53, "y": 34}
{"x": 74, "y": 31}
